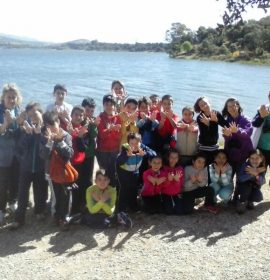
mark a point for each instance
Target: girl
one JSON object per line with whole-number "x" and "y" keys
{"x": 187, "y": 136}
{"x": 208, "y": 121}
{"x": 250, "y": 178}
{"x": 9, "y": 167}
{"x": 262, "y": 122}
{"x": 221, "y": 176}
{"x": 196, "y": 179}
{"x": 237, "y": 133}
{"x": 118, "y": 92}
{"x": 153, "y": 182}
{"x": 173, "y": 187}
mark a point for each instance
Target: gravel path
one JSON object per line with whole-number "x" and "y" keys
{"x": 201, "y": 246}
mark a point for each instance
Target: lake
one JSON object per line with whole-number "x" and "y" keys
{"x": 90, "y": 74}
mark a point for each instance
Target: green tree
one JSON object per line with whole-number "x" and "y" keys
{"x": 187, "y": 47}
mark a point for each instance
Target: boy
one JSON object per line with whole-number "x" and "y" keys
{"x": 78, "y": 132}
{"x": 165, "y": 133}
{"x": 100, "y": 201}
{"x": 187, "y": 137}
{"x": 196, "y": 180}
{"x": 128, "y": 119}
{"x": 91, "y": 122}
{"x": 32, "y": 169}
{"x": 54, "y": 138}
{"x": 108, "y": 138}
{"x": 128, "y": 165}
{"x": 62, "y": 108}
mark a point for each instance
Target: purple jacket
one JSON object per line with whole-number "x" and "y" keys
{"x": 239, "y": 145}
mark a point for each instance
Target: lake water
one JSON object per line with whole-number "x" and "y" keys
{"x": 90, "y": 74}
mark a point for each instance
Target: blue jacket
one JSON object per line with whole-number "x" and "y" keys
{"x": 132, "y": 163}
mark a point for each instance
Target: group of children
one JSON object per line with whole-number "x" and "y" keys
{"x": 149, "y": 158}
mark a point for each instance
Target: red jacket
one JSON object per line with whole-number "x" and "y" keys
{"x": 173, "y": 187}
{"x": 148, "y": 188}
{"x": 78, "y": 147}
{"x": 167, "y": 128}
{"x": 108, "y": 140}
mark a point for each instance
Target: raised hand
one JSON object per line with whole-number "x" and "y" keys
{"x": 200, "y": 177}
{"x": 82, "y": 131}
{"x": 227, "y": 131}
{"x": 205, "y": 120}
{"x": 141, "y": 152}
{"x": 27, "y": 127}
{"x": 152, "y": 180}
{"x": 213, "y": 117}
{"x": 263, "y": 111}
{"x": 233, "y": 127}
{"x": 153, "y": 116}
{"x": 177, "y": 176}
{"x": 251, "y": 171}
{"x": 170, "y": 177}
{"x": 161, "y": 180}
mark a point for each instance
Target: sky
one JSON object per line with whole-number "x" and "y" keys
{"x": 121, "y": 21}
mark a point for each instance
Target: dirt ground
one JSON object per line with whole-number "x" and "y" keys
{"x": 201, "y": 246}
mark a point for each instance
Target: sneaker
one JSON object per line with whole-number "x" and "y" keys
{"x": 250, "y": 205}
{"x": 241, "y": 207}
{"x": 211, "y": 209}
{"x": 110, "y": 221}
{"x": 14, "y": 225}
{"x": 124, "y": 219}
{"x": 63, "y": 225}
{"x": 2, "y": 216}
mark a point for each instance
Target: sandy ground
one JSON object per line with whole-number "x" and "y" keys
{"x": 201, "y": 246}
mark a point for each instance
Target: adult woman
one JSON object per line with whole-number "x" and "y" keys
{"x": 237, "y": 134}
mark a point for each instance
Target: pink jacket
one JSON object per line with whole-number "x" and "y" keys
{"x": 173, "y": 187}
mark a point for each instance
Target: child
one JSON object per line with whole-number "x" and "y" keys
{"x": 32, "y": 169}
{"x": 54, "y": 138}
{"x": 128, "y": 119}
{"x": 250, "y": 178}
{"x": 155, "y": 103}
{"x": 62, "y": 108}
{"x": 165, "y": 136}
{"x": 221, "y": 176}
{"x": 187, "y": 136}
{"x": 262, "y": 122}
{"x": 9, "y": 166}
{"x": 146, "y": 123}
{"x": 153, "y": 182}
{"x": 173, "y": 187}
{"x": 128, "y": 164}
{"x": 90, "y": 138}
{"x": 118, "y": 92}
{"x": 196, "y": 179}
{"x": 100, "y": 201}
{"x": 78, "y": 132}
{"x": 208, "y": 121}
{"x": 108, "y": 138}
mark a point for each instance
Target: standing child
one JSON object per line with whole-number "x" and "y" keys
{"x": 208, "y": 121}
{"x": 128, "y": 119}
{"x": 56, "y": 140}
{"x": 174, "y": 185}
{"x": 128, "y": 165}
{"x": 32, "y": 170}
{"x": 221, "y": 176}
{"x": 146, "y": 122}
{"x": 187, "y": 136}
{"x": 9, "y": 166}
{"x": 155, "y": 103}
{"x": 78, "y": 132}
{"x": 100, "y": 201}
{"x": 118, "y": 92}
{"x": 108, "y": 138}
{"x": 153, "y": 182}
{"x": 196, "y": 180}
{"x": 90, "y": 138}
{"x": 250, "y": 178}
{"x": 165, "y": 134}
{"x": 62, "y": 108}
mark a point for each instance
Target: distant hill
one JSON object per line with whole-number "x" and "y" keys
{"x": 10, "y": 41}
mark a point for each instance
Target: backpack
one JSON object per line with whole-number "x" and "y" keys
{"x": 61, "y": 172}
